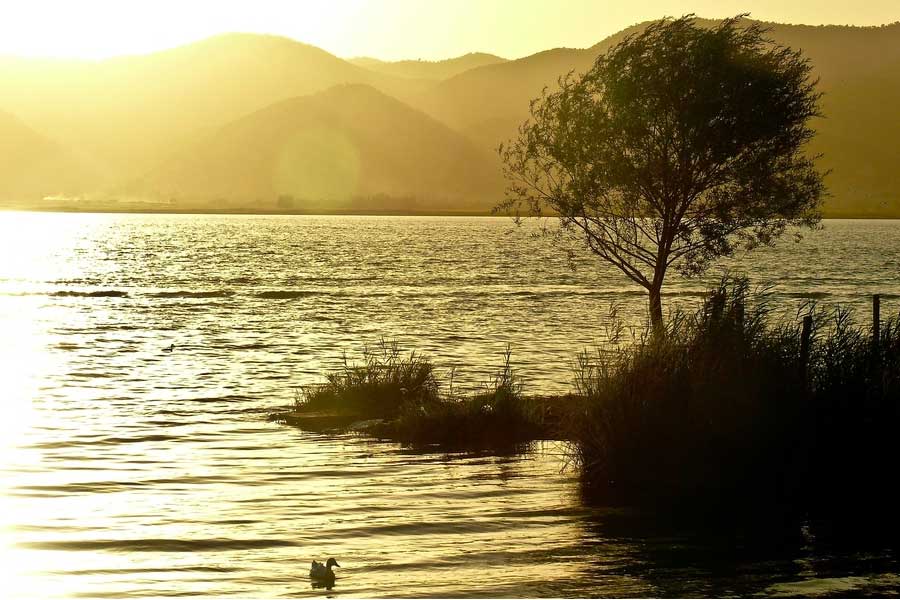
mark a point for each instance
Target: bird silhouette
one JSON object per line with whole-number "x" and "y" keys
{"x": 322, "y": 573}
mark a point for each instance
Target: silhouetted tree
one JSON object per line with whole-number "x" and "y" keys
{"x": 679, "y": 145}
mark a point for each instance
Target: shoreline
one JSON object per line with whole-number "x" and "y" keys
{"x": 345, "y": 213}
{"x": 554, "y": 409}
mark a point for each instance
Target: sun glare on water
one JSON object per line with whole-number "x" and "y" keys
{"x": 32, "y": 246}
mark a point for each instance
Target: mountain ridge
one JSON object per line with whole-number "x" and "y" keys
{"x": 424, "y": 69}
{"x": 126, "y": 118}
{"x": 317, "y": 151}
{"x": 28, "y": 159}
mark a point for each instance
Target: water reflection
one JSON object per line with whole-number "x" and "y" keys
{"x": 731, "y": 557}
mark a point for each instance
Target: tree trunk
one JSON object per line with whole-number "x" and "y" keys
{"x": 656, "y": 316}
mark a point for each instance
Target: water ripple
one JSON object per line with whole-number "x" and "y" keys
{"x": 133, "y": 472}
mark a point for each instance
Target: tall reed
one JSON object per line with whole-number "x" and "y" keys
{"x": 406, "y": 392}
{"x": 384, "y": 384}
{"x": 496, "y": 415}
{"x": 722, "y": 410}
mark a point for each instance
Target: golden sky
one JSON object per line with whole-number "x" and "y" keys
{"x": 387, "y": 29}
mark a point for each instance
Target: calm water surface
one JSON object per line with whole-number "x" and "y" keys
{"x": 132, "y": 472}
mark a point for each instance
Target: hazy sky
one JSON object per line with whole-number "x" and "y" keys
{"x": 388, "y": 29}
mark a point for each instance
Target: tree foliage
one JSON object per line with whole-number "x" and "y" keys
{"x": 680, "y": 145}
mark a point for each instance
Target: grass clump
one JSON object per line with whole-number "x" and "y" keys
{"x": 405, "y": 393}
{"x": 385, "y": 384}
{"x": 497, "y": 415}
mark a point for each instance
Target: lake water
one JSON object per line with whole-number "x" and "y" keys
{"x": 128, "y": 471}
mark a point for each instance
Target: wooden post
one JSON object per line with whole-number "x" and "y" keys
{"x": 805, "y": 336}
{"x": 876, "y": 320}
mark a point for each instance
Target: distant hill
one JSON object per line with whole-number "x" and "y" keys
{"x": 32, "y": 166}
{"x": 859, "y": 140}
{"x": 423, "y": 69}
{"x": 348, "y": 147}
{"x": 141, "y": 123}
{"x": 130, "y": 112}
{"x": 488, "y": 103}
{"x": 860, "y": 76}
{"x": 858, "y": 67}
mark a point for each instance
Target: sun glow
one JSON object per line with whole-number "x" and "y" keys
{"x": 28, "y": 243}
{"x": 97, "y": 29}
{"x": 386, "y": 29}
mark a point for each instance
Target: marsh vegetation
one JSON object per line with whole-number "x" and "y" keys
{"x": 732, "y": 406}
{"x": 404, "y": 397}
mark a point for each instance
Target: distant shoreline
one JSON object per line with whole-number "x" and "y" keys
{"x": 341, "y": 213}
{"x": 250, "y": 212}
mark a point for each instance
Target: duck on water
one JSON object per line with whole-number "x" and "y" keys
{"x": 322, "y": 572}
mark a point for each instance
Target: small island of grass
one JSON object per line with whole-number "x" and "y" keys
{"x": 401, "y": 398}
{"x": 728, "y": 404}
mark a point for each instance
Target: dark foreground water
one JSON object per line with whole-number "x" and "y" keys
{"x": 127, "y": 471}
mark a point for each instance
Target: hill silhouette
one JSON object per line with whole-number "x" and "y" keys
{"x": 490, "y": 102}
{"x": 33, "y": 166}
{"x": 137, "y": 120}
{"x": 132, "y": 112}
{"x": 424, "y": 69}
{"x": 858, "y": 71}
{"x": 350, "y": 147}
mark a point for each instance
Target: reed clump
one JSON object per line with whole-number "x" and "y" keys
{"x": 497, "y": 415}
{"x": 384, "y": 384}
{"x": 406, "y": 395}
{"x": 725, "y": 408}
{"x": 855, "y": 391}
